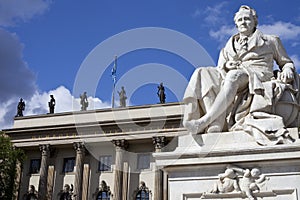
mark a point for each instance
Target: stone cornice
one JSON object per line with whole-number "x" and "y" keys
{"x": 103, "y": 116}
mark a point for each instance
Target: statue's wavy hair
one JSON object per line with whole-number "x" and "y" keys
{"x": 252, "y": 12}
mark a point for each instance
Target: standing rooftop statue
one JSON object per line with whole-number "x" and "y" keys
{"x": 241, "y": 93}
{"x": 161, "y": 93}
{"x": 123, "y": 97}
{"x": 84, "y": 101}
{"x": 51, "y": 104}
{"x": 20, "y": 108}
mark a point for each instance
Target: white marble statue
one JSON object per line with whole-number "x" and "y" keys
{"x": 242, "y": 92}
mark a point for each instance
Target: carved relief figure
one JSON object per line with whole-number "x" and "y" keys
{"x": 161, "y": 93}
{"x": 249, "y": 182}
{"x": 51, "y": 104}
{"x": 123, "y": 97}
{"x": 227, "y": 182}
{"x": 241, "y": 93}
{"x": 235, "y": 179}
{"x": 20, "y": 108}
{"x": 84, "y": 101}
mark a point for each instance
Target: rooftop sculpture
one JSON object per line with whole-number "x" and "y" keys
{"x": 51, "y": 104}
{"x": 20, "y": 108}
{"x": 161, "y": 93}
{"x": 123, "y": 97}
{"x": 83, "y": 101}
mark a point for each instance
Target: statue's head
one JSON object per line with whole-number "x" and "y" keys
{"x": 230, "y": 173}
{"x": 255, "y": 172}
{"x": 246, "y": 19}
{"x": 66, "y": 188}
{"x": 31, "y": 189}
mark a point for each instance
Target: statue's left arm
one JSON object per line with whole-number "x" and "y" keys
{"x": 283, "y": 61}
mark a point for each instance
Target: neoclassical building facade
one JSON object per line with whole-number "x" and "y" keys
{"x": 96, "y": 154}
{"x": 144, "y": 153}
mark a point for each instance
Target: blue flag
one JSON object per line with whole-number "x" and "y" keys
{"x": 114, "y": 71}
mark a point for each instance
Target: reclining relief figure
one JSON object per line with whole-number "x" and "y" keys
{"x": 242, "y": 92}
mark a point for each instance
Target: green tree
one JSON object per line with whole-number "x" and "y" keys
{"x": 9, "y": 156}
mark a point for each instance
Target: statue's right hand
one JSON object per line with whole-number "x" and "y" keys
{"x": 232, "y": 64}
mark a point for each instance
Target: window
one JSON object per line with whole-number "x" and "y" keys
{"x": 105, "y": 163}
{"x": 69, "y": 164}
{"x": 142, "y": 195}
{"x": 143, "y": 161}
{"x": 103, "y": 192}
{"x": 35, "y": 165}
{"x": 103, "y": 195}
{"x": 143, "y": 192}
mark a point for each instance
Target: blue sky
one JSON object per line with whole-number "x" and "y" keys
{"x": 46, "y": 45}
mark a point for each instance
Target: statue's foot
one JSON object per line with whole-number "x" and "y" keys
{"x": 195, "y": 126}
{"x": 214, "y": 129}
{"x": 190, "y": 126}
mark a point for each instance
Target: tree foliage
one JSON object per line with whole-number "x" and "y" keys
{"x": 9, "y": 156}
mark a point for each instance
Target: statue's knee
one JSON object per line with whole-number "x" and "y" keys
{"x": 237, "y": 77}
{"x": 232, "y": 75}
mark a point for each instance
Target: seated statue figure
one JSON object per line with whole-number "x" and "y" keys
{"x": 242, "y": 92}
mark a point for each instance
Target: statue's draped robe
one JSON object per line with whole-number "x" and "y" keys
{"x": 253, "y": 108}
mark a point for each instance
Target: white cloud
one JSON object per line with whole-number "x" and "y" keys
{"x": 16, "y": 79}
{"x": 215, "y": 15}
{"x": 196, "y": 13}
{"x": 12, "y": 11}
{"x": 296, "y": 61}
{"x": 223, "y": 34}
{"x": 285, "y": 30}
{"x": 38, "y": 104}
{"x": 65, "y": 102}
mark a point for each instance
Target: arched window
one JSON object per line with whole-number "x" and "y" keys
{"x": 142, "y": 195}
{"x": 103, "y": 195}
{"x": 143, "y": 192}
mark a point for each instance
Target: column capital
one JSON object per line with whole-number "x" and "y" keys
{"x": 159, "y": 142}
{"x": 45, "y": 149}
{"x": 121, "y": 144}
{"x": 79, "y": 147}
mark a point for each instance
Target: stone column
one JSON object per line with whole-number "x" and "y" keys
{"x": 120, "y": 146}
{"x": 80, "y": 151}
{"x": 42, "y": 191}
{"x": 50, "y": 182}
{"x": 165, "y": 186}
{"x": 85, "y": 181}
{"x": 17, "y": 179}
{"x": 125, "y": 180}
{"x": 159, "y": 142}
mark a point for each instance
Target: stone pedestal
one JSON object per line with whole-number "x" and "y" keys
{"x": 194, "y": 167}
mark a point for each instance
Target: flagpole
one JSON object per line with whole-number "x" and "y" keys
{"x": 114, "y": 77}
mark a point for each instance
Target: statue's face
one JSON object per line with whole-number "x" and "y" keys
{"x": 66, "y": 188}
{"x": 245, "y": 23}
